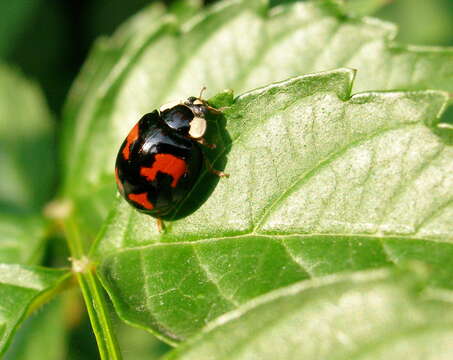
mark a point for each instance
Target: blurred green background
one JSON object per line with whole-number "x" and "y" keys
{"x": 48, "y": 41}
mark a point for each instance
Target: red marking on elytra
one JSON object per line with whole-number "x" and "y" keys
{"x": 141, "y": 199}
{"x": 118, "y": 181}
{"x": 133, "y": 135}
{"x": 167, "y": 164}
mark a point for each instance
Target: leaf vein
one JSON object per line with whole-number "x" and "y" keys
{"x": 403, "y": 185}
{"x": 433, "y": 215}
{"x": 298, "y": 261}
{"x": 321, "y": 164}
{"x": 213, "y": 280}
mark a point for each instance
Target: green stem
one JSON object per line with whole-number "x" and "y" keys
{"x": 73, "y": 238}
{"x": 99, "y": 316}
{"x": 93, "y": 295}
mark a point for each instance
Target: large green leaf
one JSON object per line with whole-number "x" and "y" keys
{"x": 374, "y": 315}
{"x": 235, "y": 44}
{"x": 320, "y": 182}
{"x": 27, "y": 153}
{"x": 21, "y": 290}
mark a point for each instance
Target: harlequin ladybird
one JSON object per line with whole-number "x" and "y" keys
{"x": 161, "y": 158}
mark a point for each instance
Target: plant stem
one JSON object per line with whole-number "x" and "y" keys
{"x": 93, "y": 295}
{"x": 99, "y": 316}
{"x": 73, "y": 239}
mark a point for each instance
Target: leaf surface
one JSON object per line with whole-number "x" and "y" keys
{"x": 373, "y": 315}
{"x": 320, "y": 182}
{"x": 22, "y": 289}
{"x": 235, "y": 44}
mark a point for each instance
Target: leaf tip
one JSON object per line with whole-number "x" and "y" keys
{"x": 222, "y": 99}
{"x": 344, "y": 78}
{"x": 387, "y": 29}
{"x": 439, "y": 101}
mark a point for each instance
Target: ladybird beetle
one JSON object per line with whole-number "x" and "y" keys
{"x": 161, "y": 158}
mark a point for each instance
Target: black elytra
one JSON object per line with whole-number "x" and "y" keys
{"x": 160, "y": 160}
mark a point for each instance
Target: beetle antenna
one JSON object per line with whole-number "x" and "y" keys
{"x": 203, "y": 89}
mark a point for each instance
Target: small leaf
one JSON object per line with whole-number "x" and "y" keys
{"x": 22, "y": 289}
{"x": 185, "y": 9}
{"x": 320, "y": 182}
{"x": 372, "y": 315}
{"x": 43, "y": 333}
{"x": 234, "y": 44}
{"x": 27, "y": 149}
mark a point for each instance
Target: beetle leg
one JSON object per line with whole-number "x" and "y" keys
{"x": 214, "y": 110}
{"x": 160, "y": 225}
{"x": 214, "y": 171}
{"x": 203, "y": 142}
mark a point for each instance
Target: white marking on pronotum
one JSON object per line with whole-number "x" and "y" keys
{"x": 197, "y": 127}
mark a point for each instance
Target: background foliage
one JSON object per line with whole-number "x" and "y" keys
{"x": 48, "y": 41}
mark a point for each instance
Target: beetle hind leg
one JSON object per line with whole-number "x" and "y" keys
{"x": 214, "y": 171}
{"x": 160, "y": 225}
{"x": 203, "y": 142}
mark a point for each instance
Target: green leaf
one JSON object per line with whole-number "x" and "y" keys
{"x": 373, "y": 315}
{"x": 185, "y": 9}
{"x": 43, "y": 333}
{"x": 320, "y": 182}
{"x": 27, "y": 158}
{"x": 235, "y": 44}
{"x": 21, "y": 239}
{"x": 22, "y": 289}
